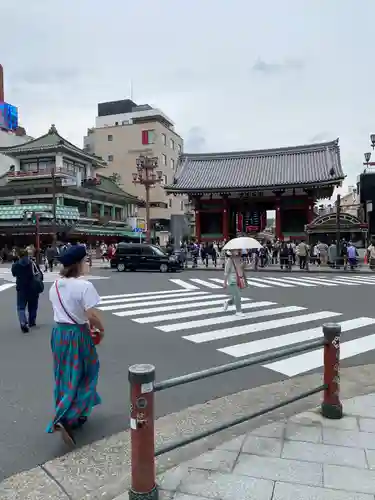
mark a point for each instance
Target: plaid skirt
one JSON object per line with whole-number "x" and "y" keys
{"x": 76, "y": 371}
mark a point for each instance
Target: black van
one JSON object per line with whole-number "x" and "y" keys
{"x": 142, "y": 256}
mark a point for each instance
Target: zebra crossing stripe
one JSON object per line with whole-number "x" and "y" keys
{"x": 344, "y": 281}
{"x": 217, "y": 280}
{"x": 276, "y": 342}
{"x": 140, "y": 294}
{"x": 151, "y": 297}
{"x": 156, "y": 303}
{"x": 205, "y": 283}
{"x": 225, "y": 333}
{"x": 193, "y": 313}
{"x": 184, "y": 284}
{"x": 298, "y": 281}
{"x": 228, "y": 319}
{"x": 272, "y": 281}
{"x": 5, "y": 286}
{"x": 250, "y": 282}
{"x": 358, "y": 281}
{"x": 311, "y": 360}
{"x": 176, "y": 307}
{"x": 319, "y": 281}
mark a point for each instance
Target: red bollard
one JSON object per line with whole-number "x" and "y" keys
{"x": 143, "y": 485}
{"x": 331, "y": 406}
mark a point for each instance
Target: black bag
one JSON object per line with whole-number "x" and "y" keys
{"x": 38, "y": 284}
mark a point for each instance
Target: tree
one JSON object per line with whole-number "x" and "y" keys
{"x": 116, "y": 178}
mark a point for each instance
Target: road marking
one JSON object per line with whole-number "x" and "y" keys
{"x": 358, "y": 281}
{"x": 319, "y": 281}
{"x": 217, "y": 280}
{"x": 151, "y": 297}
{"x": 193, "y": 313}
{"x": 205, "y": 283}
{"x": 267, "y": 344}
{"x": 311, "y": 360}
{"x": 140, "y": 294}
{"x": 184, "y": 284}
{"x": 227, "y": 319}
{"x": 298, "y": 281}
{"x": 204, "y": 296}
{"x": 344, "y": 281}
{"x": 276, "y": 282}
{"x": 250, "y": 282}
{"x": 199, "y": 338}
{"x": 175, "y": 307}
{"x": 6, "y": 286}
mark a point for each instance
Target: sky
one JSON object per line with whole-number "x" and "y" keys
{"x": 231, "y": 74}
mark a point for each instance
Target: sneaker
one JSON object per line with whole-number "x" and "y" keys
{"x": 25, "y": 328}
{"x": 240, "y": 313}
{"x": 226, "y": 305}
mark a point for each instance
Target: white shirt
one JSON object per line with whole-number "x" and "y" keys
{"x": 77, "y": 295}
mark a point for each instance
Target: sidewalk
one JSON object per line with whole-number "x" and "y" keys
{"x": 305, "y": 457}
{"x": 279, "y": 456}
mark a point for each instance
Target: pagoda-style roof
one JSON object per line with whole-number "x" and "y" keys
{"x": 50, "y": 143}
{"x": 308, "y": 166}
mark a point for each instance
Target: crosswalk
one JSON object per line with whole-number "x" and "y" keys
{"x": 6, "y": 275}
{"x": 282, "y": 282}
{"x": 198, "y": 317}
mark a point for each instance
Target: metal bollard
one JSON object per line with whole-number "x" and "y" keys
{"x": 331, "y": 406}
{"x": 143, "y": 485}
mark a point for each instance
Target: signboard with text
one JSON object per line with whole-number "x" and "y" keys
{"x": 8, "y": 116}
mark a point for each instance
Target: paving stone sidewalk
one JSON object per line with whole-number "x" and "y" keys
{"x": 305, "y": 457}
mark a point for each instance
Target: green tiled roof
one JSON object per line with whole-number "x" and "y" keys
{"x": 16, "y": 212}
{"x": 101, "y": 231}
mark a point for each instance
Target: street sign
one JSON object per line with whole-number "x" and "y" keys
{"x": 138, "y": 230}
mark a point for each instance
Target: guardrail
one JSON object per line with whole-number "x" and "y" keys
{"x": 142, "y": 394}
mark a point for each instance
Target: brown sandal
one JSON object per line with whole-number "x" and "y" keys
{"x": 66, "y": 434}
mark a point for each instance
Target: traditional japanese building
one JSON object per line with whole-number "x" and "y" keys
{"x": 62, "y": 183}
{"x": 232, "y": 192}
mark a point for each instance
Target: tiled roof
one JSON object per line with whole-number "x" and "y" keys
{"x": 293, "y": 166}
{"x": 51, "y": 141}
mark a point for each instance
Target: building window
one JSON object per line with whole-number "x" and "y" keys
{"x": 164, "y": 139}
{"x": 110, "y": 157}
{"x": 179, "y": 149}
{"x": 182, "y": 205}
{"x": 172, "y": 163}
{"x": 148, "y": 136}
{"x": 171, "y": 143}
{"x": 164, "y": 180}
{"x": 110, "y": 137}
{"x": 164, "y": 159}
{"x": 170, "y": 202}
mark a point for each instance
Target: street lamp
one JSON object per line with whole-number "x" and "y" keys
{"x": 372, "y": 139}
{"x": 149, "y": 177}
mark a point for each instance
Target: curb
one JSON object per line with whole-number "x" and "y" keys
{"x": 102, "y": 470}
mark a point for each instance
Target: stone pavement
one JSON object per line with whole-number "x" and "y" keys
{"x": 290, "y": 457}
{"x": 305, "y": 457}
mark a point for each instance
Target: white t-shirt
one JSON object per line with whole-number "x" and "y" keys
{"x": 77, "y": 295}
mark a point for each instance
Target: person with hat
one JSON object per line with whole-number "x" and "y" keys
{"x": 76, "y": 363}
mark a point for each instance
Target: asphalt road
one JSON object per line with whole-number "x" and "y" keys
{"x": 140, "y": 330}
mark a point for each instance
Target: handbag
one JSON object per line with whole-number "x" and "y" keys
{"x": 240, "y": 280}
{"x": 38, "y": 284}
{"x": 93, "y": 332}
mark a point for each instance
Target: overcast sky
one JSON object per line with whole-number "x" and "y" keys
{"x": 232, "y": 74}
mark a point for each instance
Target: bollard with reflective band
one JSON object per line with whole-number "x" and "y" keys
{"x": 331, "y": 406}
{"x": 143, "y": 486}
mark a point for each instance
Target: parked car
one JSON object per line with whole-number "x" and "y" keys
{"x": 143, "y": 256}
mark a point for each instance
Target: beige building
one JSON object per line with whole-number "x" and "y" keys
{"x": 124, "y": 131}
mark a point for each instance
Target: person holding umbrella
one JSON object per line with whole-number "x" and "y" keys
{"x": 234, "y": 272}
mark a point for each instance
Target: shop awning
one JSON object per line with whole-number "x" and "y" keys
{"x": 104, "y": 231}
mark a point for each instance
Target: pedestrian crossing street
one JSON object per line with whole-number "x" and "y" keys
{"x": 282, "y": 282}
{"x": 6, "y": 275}
{"x": 199, "y": 317}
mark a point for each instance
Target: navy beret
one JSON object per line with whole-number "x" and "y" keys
{"x": 74, "y": 254}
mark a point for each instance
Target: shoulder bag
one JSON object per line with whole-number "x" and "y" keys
{"x": 38, "y": 284}
{"x": 94, "y": 333}
{"x": 240, "y": 280}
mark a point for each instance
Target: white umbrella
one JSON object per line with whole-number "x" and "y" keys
{"x": 242, "y": 243}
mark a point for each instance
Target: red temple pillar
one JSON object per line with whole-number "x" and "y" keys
{"x": 226, "y": 219}
{"x": 310, "y": 210}
{"x": 278, "y": 232}
{"x": 198, "y": 233}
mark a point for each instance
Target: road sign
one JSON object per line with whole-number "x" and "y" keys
{"x": 138, "y": 230}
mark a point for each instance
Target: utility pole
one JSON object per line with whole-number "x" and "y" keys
{"x": 338, "y": 230}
